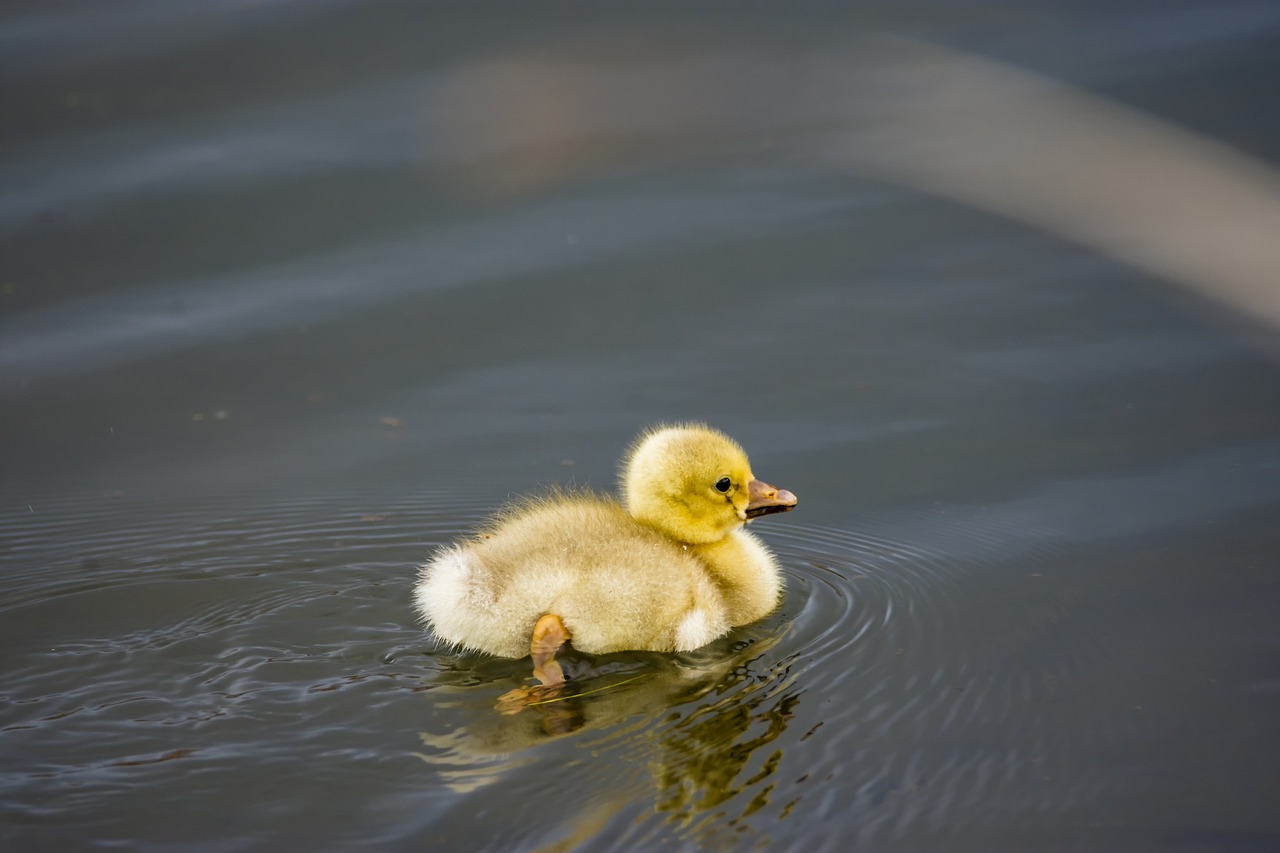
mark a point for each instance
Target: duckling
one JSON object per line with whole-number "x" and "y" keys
{"x": 668, "y": 568}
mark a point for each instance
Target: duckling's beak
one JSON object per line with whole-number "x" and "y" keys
{"x": 766, "y": 499}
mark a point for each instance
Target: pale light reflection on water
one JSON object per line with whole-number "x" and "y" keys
{"x": 295, "y": 293}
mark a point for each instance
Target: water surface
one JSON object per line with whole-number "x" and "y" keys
{"x": 294, "y": 294}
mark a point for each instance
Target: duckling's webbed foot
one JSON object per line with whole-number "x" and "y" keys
{"x": 549, "y": 634}
{"x": 515, "y": 701}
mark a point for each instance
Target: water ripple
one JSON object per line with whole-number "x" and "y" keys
{"x": 154, "y": 636}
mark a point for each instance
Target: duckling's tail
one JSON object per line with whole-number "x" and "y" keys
{"x": 441, "y": 591}
{"x": 455, "y": 597}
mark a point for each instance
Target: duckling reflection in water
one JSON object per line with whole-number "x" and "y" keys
{"x": 668, "y": 569}
{"x": 690, "y": 734}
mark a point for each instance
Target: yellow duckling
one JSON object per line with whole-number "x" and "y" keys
{"x": 671, "y": 568}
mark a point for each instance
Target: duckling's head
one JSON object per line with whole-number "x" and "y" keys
{"x": 694, "y": 484}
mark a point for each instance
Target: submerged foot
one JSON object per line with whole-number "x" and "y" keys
{"x": 515, "y": 701}
{"x": 549, "y": 634}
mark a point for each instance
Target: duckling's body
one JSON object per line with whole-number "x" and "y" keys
{"x": 615, "y": 584}
{"x": 671, "y": 570}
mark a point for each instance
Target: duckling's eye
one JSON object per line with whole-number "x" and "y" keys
{"x": 723, "y": 484}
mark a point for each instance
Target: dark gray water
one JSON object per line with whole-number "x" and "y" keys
{"x": 294, "y": 293}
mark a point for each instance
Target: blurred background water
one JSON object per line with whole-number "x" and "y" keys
{"x": 293, "y": 293}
